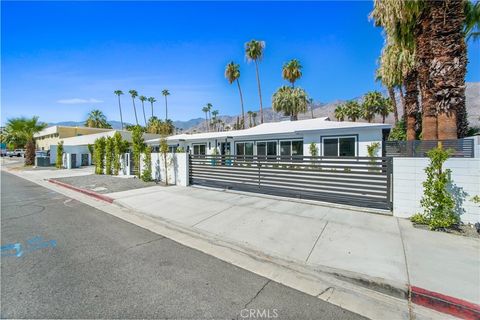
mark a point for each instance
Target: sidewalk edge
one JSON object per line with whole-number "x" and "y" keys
{"x": 84, "y": 191}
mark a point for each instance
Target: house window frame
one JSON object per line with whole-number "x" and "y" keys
{"x": 279, "y": 149}
{"x": 199, "y": 144}
{"x": 277, "y": 144}
{"x": 338, "y": 137}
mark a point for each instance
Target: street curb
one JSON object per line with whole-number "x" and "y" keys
{"x": 445, "y": 304}
{"x": 84, "y": 191}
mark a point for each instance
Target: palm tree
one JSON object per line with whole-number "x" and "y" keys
{"x": 96, "y": 119}
{"x": 254, "y": 117}
{"x": 134, "y": 94}
{"x": 214, "y": 121}
{"x": 290, "y": 101}
{"x": 119, "y": 93}
{"x": 209, "y": 109}
{"x": 151, "y": 100}
{"x": 232, "y": 73}
{"x": 340, "y": 113}
{"x": 20, "y": 132}
{"x": 312, "y": 105}
{"x": 353, "y": 111}
{"x": 250, "y": 118}
{"x": 373, "y": 103}
{"x": 390, "y": 73}
{"x": 205, "y": 109}
{"x": 166, "y": 93}
{"x": 143, "y": 99}
{"x": 254, "y": 52}
{"x": 292, "y": 71}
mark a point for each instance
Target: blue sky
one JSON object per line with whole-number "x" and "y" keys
{"x": 61, "y": 59}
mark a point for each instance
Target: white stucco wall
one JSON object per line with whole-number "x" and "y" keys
{"x": 408, "y": 175}
{"x": 78, "y": 150}
{"x": 177, "y": 164}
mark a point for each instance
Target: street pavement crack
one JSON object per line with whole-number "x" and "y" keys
{"x": 256, "y": 295}
{"x": 316, "y": 241}
{"x": 213, "y": 215}
{"x": 410, "y": 308}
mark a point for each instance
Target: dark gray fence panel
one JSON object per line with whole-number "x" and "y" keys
{"x": 461, "y": 148}
{"x": 361, "y": 181}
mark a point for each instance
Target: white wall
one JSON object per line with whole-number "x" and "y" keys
{"x": 78, "y": 150}
{"x": 177, "y": 164}
{"x": 408, "y": 175}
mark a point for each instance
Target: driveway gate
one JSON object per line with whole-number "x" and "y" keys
{"x": 359, "y": 181}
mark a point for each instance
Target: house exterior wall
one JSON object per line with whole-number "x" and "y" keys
{"x": 78, "y": 150}
{"x": 177, "y": 168}
{"x": 364, "y": 137}
{"x": 53, "y": 137}
{"x": 408, "y": 175}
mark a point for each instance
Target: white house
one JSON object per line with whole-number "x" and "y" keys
{"x": 286, "y": 138}
{"x": 78, "y": 146}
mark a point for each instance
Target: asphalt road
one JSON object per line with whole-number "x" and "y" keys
{"x": 65, "y": 259}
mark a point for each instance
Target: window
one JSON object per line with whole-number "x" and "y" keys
{"x": 244, "y": 148}
{"x": 291, "y": 148}
{"x": 267, "y": 148}
{"x": 199, "y": 149}
{"x": 339, "y": 147}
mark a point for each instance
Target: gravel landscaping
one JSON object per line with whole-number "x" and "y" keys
{"x": 106, "y": 184}
{"x": 466, "y": 230}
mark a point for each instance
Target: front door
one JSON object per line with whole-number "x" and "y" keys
{"x": 225, "y": 148}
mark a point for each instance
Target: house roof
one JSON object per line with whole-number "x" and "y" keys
{"x": 90, "y": 138}
{"x": 283, "y": 127}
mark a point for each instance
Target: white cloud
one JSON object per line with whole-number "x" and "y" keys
{"x": 78, "y": 101}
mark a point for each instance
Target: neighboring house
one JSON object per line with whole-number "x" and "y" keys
{"x": 78, "y": 146}
{"x": 286, "y": 138}
{"x": 52, "y": 135}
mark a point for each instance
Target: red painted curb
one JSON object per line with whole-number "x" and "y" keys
{"x": 446, "y": 304}
{"x": 84, "y": 191}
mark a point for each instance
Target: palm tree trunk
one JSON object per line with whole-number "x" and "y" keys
{"x": 144, "y": 117}
{"x": 423, "y": 58}
{"x": 166, "y": 109}
{"x": 259, "y": 92}
{"x": 241, "y": 102}
{"x": 135, "y": 110}
{"x": 411, "y": 103}
{"x": 30, "y": 153}
{"x": 391, "y": 93}
{"x": 151, "y": 104}
{"x": 402, "y": 99}
{"x": 120, "y": 108}
{"x": 206, "y": 121}
{"x": 448, "y": 69}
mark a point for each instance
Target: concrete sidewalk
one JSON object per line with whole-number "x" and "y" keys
{"x": 372, "y": 247}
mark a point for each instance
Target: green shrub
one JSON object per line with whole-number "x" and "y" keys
{"x": 120, "y": 146}
{"x": 99, "y": 155}
{"x": 313, "y": 149}
{"x": 399, "y": 132}
{"x": 147, "y": 165}
{"x": 108, "y": 155}
{"x": 164, "y": 153}
{"x": 437, "y": 203}
{"x": 59, "y": 159}
{"x": 180, "y": 149}
{"x": 138, "y": 146}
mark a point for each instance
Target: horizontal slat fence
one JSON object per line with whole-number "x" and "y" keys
{"x": 360, "y": 181}
{"x": 460, "y": 148}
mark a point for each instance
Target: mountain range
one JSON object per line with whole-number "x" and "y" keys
{"x": 319, "y": 110}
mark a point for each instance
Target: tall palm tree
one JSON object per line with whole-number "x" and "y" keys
{"x": 151, "y": 100}
{"x": 292, "y": 71}
{"x": 254, "y": 52}
{"x": 232, "y": 73}
{"x": 340, "y": 113}
{"x": 209, "y": 110}
{"x": 96, "y": 119}
{"x": 214, "y": 120}
{"x": 143, "y": 99}
{"x": 205, "y": 109}
{"x": 119, "y": 93}
{"x": 166, "y": 93}
{"x": 390, "y": 74}
{"x": 250, "y": 118}
{"x": 290, "y": 101}
{"x": 134, "y": 94}
{"x": 21, "y": 131}
{"x": 353, "y": 110}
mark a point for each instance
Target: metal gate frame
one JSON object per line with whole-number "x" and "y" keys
{"x": 359, "y": 181}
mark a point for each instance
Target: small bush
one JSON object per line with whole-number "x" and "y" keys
{"x": 437, "y": 203}
{"x": 99, "y": 155}
{"x": 313, "y": 149}
{"x": 147, "y": 165}
{"x": 180, "y": 150}
{"x": 399, "y": 132}
{"x": 108, "y": 155}
{"x": 59, "y": 159}
{"x": 138, "y": 146}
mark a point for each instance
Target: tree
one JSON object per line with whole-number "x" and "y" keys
{"x": 291, "y": 101}
{"x": 164, "y": 153}
{"x": 99, "y": 155}
{"x": 59, "y": 158}
{"x": 138, "y": 146}
{"x": 108, "y": 155}
{"x": 254, "y": 117}
{"x": 147, "y": 165}
{"x": 375, "y": 103}
{"x": 151, "y": 100}
{"x": 143, "y": 99}
{"x": 205, "y": 109}
{"x": 119, "y": 93}
{"x": 353, "y": 111}
{"x": 232, "y": 73}
{"x": 254, "y": 52}
{"x": 134, "y": 94}
{"x": 96, "y": 119}
{"x": 120, "y": 146}
{"x": 158, "y": 126}
{"x": 20, "y": 132}
{"x": 390, "y": 74}
{"x": 166, "y": 93}
{"x": 292, "y": 71}
{"x": 214, "y": 120}
{"x": 250, "y": 118}
{"x": 340, "y": 113}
